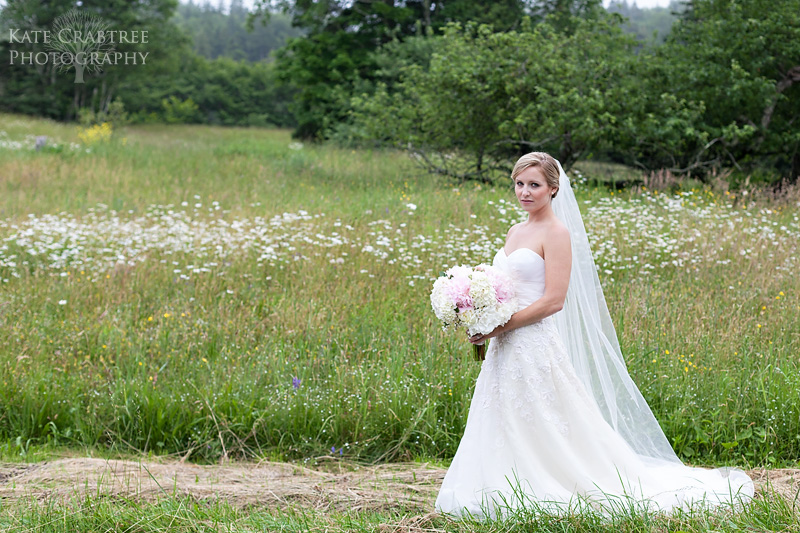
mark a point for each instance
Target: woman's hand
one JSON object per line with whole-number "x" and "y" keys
{"x": 480, "y": 339}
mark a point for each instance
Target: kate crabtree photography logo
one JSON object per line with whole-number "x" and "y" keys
{"x": 78, "y": 40}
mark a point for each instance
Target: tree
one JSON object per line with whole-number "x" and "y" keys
{"x": 563, "y": 15}
{"x": 335, "y": 60}
{"x": 38, "y": 89}
{"x": 739, "y": 59}
{"x": 699, "y": 103}
{"x": 224, "y": 91}
{"x": 82, "y": 23}
{"x": 488, "y": 97}
{"x": 324, "y": 66}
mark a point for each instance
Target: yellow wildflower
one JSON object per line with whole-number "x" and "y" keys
{"x": 98, "y": 133}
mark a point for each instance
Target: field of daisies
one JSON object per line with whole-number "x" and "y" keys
{"x": 206, "y": 293}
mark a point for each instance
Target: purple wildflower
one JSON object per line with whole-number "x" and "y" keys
{"x": 296, "y": 382}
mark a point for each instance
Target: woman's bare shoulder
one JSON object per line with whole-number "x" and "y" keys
{"x": 512, "y": 229}
{"x": 557, "y": 236}
{"x": 558, "y": 230}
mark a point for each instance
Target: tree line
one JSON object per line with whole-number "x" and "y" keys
{"x": 202, "y": 66}
{"x": 467, "y": 95}
{"x": 465, "y": 86}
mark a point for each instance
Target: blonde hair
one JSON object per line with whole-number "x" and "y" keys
{"x": 545, "y": 162}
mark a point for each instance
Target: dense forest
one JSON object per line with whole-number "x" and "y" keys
{"x": 463, "y": 86}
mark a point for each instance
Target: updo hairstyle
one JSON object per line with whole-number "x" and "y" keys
{"x": 544, "y": 161}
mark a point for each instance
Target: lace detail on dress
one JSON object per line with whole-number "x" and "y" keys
{"x": 523, "y": 370}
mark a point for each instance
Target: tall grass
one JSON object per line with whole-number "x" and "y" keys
{"x": 202, "y": 343}
{"x": 174, "y": 513}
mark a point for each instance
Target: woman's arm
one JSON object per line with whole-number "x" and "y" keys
{"x": 557, "y": 268}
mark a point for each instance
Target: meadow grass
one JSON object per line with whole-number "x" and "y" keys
{"x": 174, "y": 513}
{"x": 218, "y": 292}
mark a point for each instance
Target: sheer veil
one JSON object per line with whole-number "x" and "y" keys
{"x": 591, "y": 340}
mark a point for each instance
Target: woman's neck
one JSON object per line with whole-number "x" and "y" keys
{"x": 541, "y": 215}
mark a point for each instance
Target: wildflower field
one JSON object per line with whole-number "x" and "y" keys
{"x": 217, "y": 293}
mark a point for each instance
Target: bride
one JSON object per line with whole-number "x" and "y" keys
{"x": 556, "y": 422}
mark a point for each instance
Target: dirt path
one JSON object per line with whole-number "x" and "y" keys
{"x": 335, "y": 485}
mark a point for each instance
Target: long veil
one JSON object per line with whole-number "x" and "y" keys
{"x": 591, "y": 340}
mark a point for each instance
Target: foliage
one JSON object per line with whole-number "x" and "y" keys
{"x": 228, "y": 92}
{"x": 42, "y": 90}
{"x": 749, "y": 86}
{"x": 487, "y": 97}
{"x": 114, "y": 115}
{"x": 179, "y": 111}
{"x": 697, "y": 104}
{"x": 324, "y": 66}
{"x": 334, "y": 59}
{"x": 565, "y": 15}
{"x": 391, "y": 61}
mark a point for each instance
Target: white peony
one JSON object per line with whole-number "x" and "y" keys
{"x": 468, "y": 319}
{"x": 442, "y": 305}
{"x": 481, "y": 291}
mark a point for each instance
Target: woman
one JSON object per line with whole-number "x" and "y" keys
{"x": 555, "y": 421}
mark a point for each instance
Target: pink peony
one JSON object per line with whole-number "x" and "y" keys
{"x": 501, "y": 283}
{"x": 458, "y": 287}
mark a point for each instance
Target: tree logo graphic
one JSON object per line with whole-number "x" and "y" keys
{"x": 80, "y": 41}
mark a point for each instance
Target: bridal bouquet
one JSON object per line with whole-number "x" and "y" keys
{"x": 478, "y": 299}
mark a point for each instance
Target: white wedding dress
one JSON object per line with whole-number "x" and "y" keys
{"x": 535, "y": 438}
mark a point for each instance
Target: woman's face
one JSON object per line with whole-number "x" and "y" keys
{"x": 532, "y": 189}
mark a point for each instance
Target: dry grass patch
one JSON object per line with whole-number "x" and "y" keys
{"x": 334, "y": 485}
